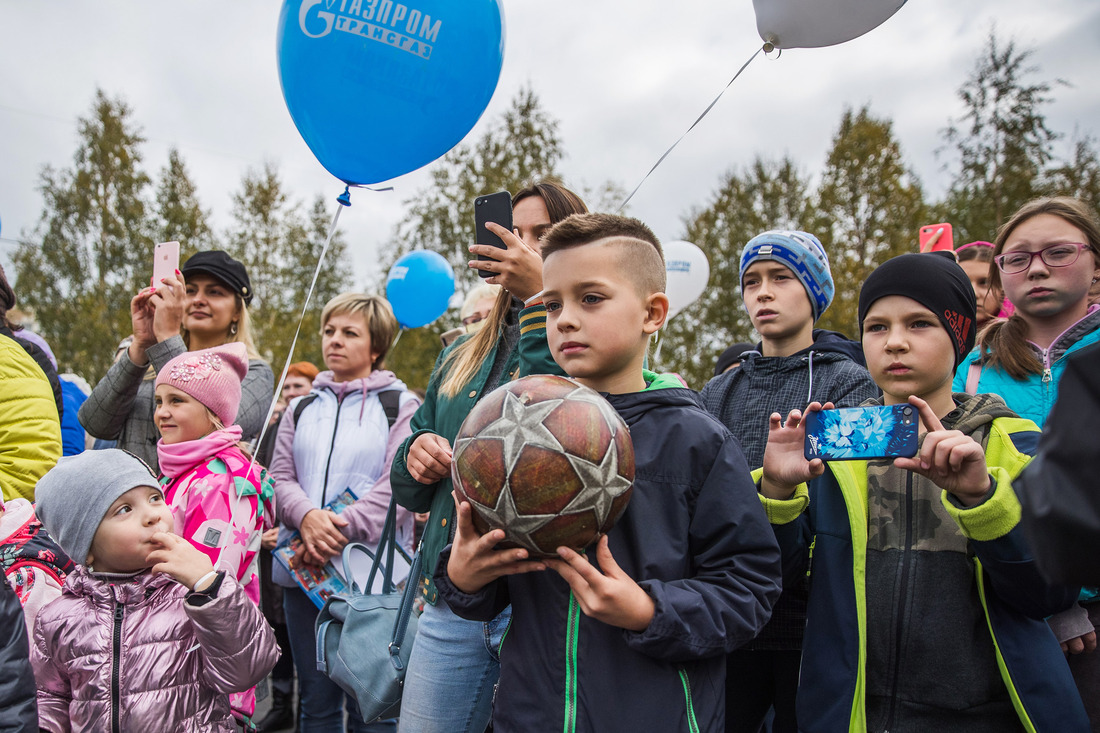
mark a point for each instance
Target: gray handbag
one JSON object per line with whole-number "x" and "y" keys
{"x": 361, "y": 637}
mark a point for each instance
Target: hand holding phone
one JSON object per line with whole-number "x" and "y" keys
{"x": 785, "y": 466}
{"x": 494, "y": 207}
{"x": 951, "y": 459}
{"x": 862, "y": 433}
{"x": 935, "y": 237}
{"x": 166, "y": 260}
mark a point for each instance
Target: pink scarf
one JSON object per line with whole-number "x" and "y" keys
{"x": 178, "y": 458}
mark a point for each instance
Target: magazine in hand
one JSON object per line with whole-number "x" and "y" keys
{"x": 317, "y": 583}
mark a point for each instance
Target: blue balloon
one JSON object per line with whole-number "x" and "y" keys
{"x": 419, "y": 288}
{"x": 379, "y": 88}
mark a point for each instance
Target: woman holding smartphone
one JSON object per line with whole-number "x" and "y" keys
{"x": 204, "y": 305}
{"x": 455, "y": 662}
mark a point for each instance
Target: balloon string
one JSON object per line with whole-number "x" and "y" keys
{"x": 660, "y": 160}
{"x": 344, "y": 201}
{"x": 397, "y": 337}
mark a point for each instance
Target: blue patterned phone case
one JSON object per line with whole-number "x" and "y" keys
{"x": 861, "y": 433}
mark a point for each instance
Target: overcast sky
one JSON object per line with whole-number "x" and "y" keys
{"x": 624, "y": 79}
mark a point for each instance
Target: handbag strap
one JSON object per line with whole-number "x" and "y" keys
{"x": 381, "y": 557}
{"x": 404, "y": 611}
{"x": 386, "y": 541}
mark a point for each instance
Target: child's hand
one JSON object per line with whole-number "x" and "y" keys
{"x": 180, "y": 559}
{"x": 785, "y": 464}
{"x": 429, "y": 458}
{"x": 269, "y": 538}
{"x": 474, "y": 563}
{"x": 951, "y": 459}
{"x": 611, "y": 596}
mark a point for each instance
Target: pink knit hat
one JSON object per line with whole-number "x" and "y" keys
{"x": 211, "y": 376}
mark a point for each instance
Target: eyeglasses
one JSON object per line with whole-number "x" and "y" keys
{"x": 472, "y": 319}
{"x": 1062, "y": 254}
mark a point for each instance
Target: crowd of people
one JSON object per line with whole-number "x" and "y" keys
{"x": 745, "y": 588}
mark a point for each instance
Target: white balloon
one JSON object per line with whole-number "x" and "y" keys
{"x": 816, "y": 23}
{"x": 687, "y": 272}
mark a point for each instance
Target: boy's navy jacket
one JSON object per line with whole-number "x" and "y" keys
{"x": 743, "y": 398}
{"x": 925, "y": 615}
{"x": 695, "y": 538}
{"x": 832, "y": 370}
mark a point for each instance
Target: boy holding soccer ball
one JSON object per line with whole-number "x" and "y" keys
{"x": 631, "y": 634}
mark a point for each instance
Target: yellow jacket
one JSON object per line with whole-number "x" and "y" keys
{"x": 30, "y": 431}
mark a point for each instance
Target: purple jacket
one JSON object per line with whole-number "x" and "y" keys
{"x": 345, "y": 441}
{"x": 141, "y": 654}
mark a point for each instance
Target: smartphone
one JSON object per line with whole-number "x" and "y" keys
{"x": 936, "y": 236}
{"x": 861, "y": 433}
{"x": 496, "y": 207}
{"x": 166, "y": 260}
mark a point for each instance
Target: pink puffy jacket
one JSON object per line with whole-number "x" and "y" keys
{"x": 122, "y": 656}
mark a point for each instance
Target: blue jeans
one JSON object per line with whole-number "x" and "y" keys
{"x": 322, "y": 700}
{"x": 453, "y": 670}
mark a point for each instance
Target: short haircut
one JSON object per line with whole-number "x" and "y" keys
{"x": 303, "y": 369}
{"x": 376, "y": 311}
{"x": 640, "y": 255}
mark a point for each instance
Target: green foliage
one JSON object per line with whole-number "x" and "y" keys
{"x": 95, "y": 248}
{"x": 871, "y": 206}
{"x": 766, "y": 195}
{"x": 280, "y": 247}
{"x": 1079, "y": 176}
{"x": 179, "y": 216}
{"x": 1002, "y": 141}
{"x": 413, "y": 357}
{"x": 520, "y": 146}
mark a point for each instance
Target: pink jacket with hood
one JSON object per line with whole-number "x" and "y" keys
{"x": 142, "y": 653}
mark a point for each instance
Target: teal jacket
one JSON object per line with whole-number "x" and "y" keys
{"x": 1032, "y": 397}
{"x": 443, "y": 416}
{"x": 943, "y": 590}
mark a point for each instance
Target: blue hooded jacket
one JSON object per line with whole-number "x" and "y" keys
{"x": 695, "y": 538}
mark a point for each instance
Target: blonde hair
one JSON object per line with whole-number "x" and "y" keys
{"x": 466, "y": 357}
{"x": 481, "y": 292}
{"x": 1004, "y": 343}
{"x": 376, "y": 313}
{"x": 243, "y": 336}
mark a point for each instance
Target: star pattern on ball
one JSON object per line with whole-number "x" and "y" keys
{"x": 600, "y": 492}
{"x": 519, "y": 526}
{"x": 520, "y": 424}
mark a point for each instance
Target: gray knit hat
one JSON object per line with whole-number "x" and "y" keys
{"x": 74, "y": 496}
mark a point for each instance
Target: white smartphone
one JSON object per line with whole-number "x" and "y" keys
{"x": 166, "y": 260}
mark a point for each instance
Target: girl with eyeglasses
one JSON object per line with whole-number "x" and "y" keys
{"x": 1045, "y": 259}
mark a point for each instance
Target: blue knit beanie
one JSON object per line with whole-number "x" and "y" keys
{"x": 803, "y": 254}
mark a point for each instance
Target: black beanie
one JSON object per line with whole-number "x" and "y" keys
{"x": 933, "y": 279}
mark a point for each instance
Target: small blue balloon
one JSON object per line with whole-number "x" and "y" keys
{"x": 419, "y": 288}
{"x": 379, "y": 88}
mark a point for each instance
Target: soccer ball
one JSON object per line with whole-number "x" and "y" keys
{"x": 547, "y": 460}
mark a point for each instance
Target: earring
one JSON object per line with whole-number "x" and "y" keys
{"x": 233, "y": 328}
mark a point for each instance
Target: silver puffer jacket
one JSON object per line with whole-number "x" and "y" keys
{"x": 138, "y": 654}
